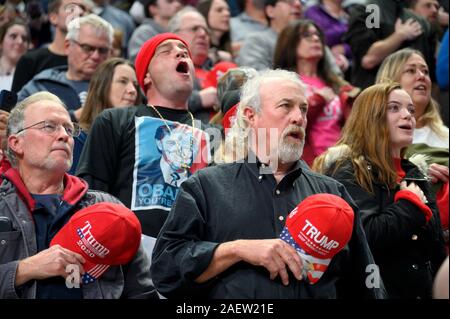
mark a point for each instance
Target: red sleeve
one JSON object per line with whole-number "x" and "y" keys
{"x": 413, "y": 198}
{"x": 316, "y": 103}
{"x": 442, "y": 203}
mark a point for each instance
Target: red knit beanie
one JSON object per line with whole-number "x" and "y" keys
{"x": 147, "y": 51}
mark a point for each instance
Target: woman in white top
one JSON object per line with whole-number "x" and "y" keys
{"x": 408, "y": 67}
{"x": 14, "y": 42}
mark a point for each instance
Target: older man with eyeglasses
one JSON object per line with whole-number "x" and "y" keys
{"x": 60, "y": 13}
{"x": 37, "y": 199}
{"x": 88, "y": 43}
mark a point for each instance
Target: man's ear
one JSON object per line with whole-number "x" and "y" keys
{"x": 269, "y": 11}
{"x": 53, "y": 18}
{"x": 147, "y": 80}
{"x": 249, "y": 114}
{"x": 66, "y": 46}
{"x": 15, "y": 144}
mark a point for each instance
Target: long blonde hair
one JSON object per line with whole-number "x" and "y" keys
{"x": 391, "y": 69}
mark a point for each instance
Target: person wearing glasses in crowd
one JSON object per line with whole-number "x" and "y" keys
{"x": 191, "y": 26}
{"x": 38, "y": 198}
{"x": 60, "y": 13}
{"x": 88, "y": 43}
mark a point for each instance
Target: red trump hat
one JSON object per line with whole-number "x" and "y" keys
{"x": 318, "y": 228}
{"x": 105, "y": 234}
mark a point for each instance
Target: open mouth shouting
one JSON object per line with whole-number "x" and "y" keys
{"x": 182, "y": 67}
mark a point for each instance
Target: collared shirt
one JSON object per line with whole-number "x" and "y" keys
{"x": 237, "y": 201}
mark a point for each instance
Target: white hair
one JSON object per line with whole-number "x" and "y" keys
{"x": 100, "y": 25}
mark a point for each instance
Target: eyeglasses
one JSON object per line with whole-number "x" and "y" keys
{"x": 75, "y": 7}
{"x": 89, "y": 49}
{"x": 50, "y": 127}
{"x": 292, "y": 2}
{"x": 309, "y": 35}
{"x": 195, "y": 29}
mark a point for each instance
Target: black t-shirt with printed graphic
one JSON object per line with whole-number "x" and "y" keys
{"x": 122, "y": 156}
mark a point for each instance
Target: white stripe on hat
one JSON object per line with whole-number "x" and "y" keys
{"x": 98, "y": 270}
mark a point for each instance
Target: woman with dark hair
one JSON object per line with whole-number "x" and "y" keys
{"x": 397, "y": 207}
{"x": 301, "y": 48}
{"x": 217, "y": 15}
{"x": 14, "y": 42}
{"x": 113, "y": 84}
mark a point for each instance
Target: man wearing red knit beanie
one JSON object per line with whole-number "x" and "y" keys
{"x": 143, "y": 153}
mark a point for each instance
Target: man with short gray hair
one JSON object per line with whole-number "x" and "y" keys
{"x": 88, "y": 43}
{"x": 38, "y": 198}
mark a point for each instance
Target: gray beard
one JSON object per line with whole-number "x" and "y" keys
{"x": 290, "y": 152}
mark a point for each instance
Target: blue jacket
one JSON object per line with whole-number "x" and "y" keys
{"x": 53, "y": 80}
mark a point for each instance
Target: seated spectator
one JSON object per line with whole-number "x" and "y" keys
{"x": 158, "y": 14}
{"x": 191, "y": 26}
{"x": 217, "y": 16}
{"x": 112, "y": 85}
{"x": 301, "y": 48}
{"x": 221, "y": 242}
{"x": 398, "y": 210}
{"x": 387, "y": 27}
{"x": 88, "y": 43}
{"x": 432, "y": 11}
{"x": 14, "y": 42}
{"x": 39, "y": 198}
{"x": 252, "y": 19}
{"x": 331, "y": 18}
{"x": 258, "y": 49}
{"x": 119, "y": 19}
{"x": 60, "y": 13}
{"x": 409, "y": 68}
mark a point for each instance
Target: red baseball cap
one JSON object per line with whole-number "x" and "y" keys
{"x": 216, "y": 73}
{"x": 318, "y": 228}
{"x": 105, "y": 234}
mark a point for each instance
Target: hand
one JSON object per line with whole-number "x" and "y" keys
{"x": 409, "y": 30}
{"x": 414, "y": 188}
{"x": 338, "y": 49}
{"x": 438, "y": 173}
{"x": 342, "y": 62}
{"x": 327, "y": 93}
{"x": 274, "y": 255}
{"x": 48, "y": 263}
{"x": 209, "y": 97}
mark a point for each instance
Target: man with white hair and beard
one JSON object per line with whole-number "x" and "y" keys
{"x": 221, "y": 238}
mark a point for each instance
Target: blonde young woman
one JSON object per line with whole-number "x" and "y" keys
{"x": 398, "y": 210}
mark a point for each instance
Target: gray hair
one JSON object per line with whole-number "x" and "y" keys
{"x": 100, "y": 25}
{"x": 237, "y": 136}
{"x": 17, "y": 117}
{"x": 175, "y": 21}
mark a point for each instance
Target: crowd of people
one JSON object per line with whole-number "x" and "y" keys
{"x": 215, "y": 136}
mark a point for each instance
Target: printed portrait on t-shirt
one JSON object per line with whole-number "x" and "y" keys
{"x": 167, "y": 153}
